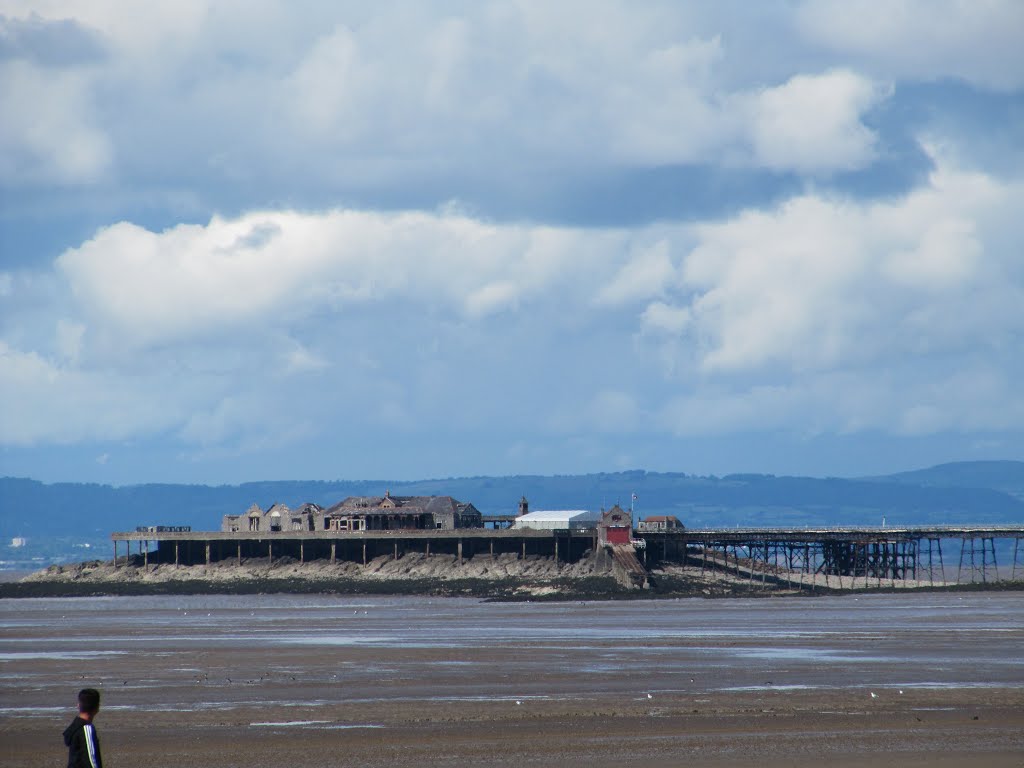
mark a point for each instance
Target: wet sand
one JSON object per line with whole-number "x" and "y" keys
{"x": 334, "y": 681}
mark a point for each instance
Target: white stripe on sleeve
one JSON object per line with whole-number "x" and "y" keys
{"x": 90, "y": 745}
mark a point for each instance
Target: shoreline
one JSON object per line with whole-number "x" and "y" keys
{"x": 533, "y": 580}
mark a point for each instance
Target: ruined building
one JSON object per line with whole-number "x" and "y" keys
{"x": 360, "y": 513}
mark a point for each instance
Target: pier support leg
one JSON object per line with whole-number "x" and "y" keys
{"x": 177, "y": 554}
{"x": 145, "y": 555}
{"x": 207, "y": 554}
{"x": 364, "y": 553}
{"x": 428, "y": 547}
{"x": 960, "y": 567}
{"x": 460, "y": 551}
{"x": 302, "y": 551}
{"x": 239, "y": 553}
{"x": 115, "y": 555}
{"x": 334, "y": 552}
{"x": 270, "y": 552}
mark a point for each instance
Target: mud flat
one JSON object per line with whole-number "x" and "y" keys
{"x": 319, "y": 680}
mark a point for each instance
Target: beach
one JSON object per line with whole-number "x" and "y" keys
{"x": 316, "y": 680}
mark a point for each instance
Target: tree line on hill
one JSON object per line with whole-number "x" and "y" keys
{"x": 966, "y": 492}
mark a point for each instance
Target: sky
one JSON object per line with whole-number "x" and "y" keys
{"x": 301, "y": 240}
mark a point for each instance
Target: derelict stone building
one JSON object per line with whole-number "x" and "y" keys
{"x": 360, "y": 513}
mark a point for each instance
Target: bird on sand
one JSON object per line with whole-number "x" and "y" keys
{"x": 874, "y": 695}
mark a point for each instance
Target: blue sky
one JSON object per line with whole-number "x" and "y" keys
{"x": 247, "y": 240}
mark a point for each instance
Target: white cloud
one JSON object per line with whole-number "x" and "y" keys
{"x": 143, "y": 288}
{"x": 787, "y": 314}
{"x": 821, "y": 282}
{"x": 973, "y": 40}
{"x": 49, "y": 132}
{"x": 42, "y": 401}
{"x": 813, "y": 123}
{"x": 368, "y": 96}
{"x": 644, "y": 275}
{"x": 331, "y": 88}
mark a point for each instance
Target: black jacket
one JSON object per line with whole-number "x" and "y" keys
{"x": 83, "y": 745}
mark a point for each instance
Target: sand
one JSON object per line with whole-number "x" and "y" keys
{"x": 243, "y": 681}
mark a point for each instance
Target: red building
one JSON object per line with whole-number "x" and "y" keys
{"x": 616, "y": 526}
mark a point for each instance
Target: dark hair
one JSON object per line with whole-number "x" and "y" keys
{"x": 88, "y": 700}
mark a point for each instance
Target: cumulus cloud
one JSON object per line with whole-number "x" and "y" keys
{"x": 821, "y": 282}
{"x": 820, "y": 288}
{"x": 813, "y": 123}
{"x": 148, "y": 287}
{"x": 337, "y": 291}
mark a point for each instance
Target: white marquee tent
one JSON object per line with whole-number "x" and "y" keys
{"x": 559, "y": 519}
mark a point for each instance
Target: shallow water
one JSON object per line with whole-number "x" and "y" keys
{"x": 309, "y": 652}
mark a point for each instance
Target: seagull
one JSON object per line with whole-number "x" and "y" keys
{"x": 901, "y": 693}
{"x": 649, "y": 696}
{"x": 518, "y": 703}
{"x": 874, "y": 695}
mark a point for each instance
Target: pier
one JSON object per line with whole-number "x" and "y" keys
{"x": 861, "y": 557}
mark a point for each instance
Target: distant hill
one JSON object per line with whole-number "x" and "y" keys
{"x": 1005, "y": 476}
{"x": 57, "y": 517}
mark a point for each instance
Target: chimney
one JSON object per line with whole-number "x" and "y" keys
{"x": 524, "y": 506}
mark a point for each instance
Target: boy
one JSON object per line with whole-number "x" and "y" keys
{"x": 80, "y": 736}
